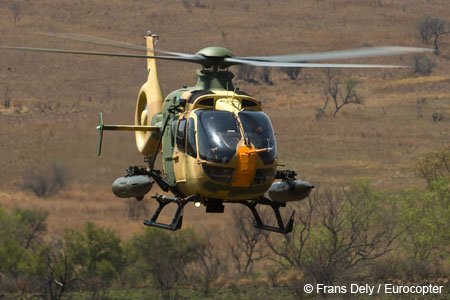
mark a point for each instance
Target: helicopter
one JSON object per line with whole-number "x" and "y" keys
{"x": 216, "y": 144}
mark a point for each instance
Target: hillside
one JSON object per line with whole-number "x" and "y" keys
{"x": 56, "y": 98}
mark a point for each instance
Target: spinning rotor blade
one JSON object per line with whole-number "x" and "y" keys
{"x": 107, "y": 42}
{"x": 193, "y": 59}
{"x": 257, "y": 63}
{"x": 343, "y": 54}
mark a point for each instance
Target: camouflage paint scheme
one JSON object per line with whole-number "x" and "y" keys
{"x": 184, "y": 172}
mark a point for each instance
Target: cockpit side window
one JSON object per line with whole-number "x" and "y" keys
{"x": 181, "y": 140}
{"x": 191, "y": 147}
{"x": 174, "y": 132}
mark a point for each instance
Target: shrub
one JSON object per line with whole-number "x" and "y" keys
{"x": 97, "y": 257}
{"x": 165, "y": 255}
{"x": 434, "y": 165}
{"x": 423, "y": 65}
{"x": 337, "y": 230}
{"x": 21, "y": 232}
{"x": 425, "y": 220}
{"x": 46, "y": 182}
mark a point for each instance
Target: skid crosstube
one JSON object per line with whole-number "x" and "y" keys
{"x": 177, "y": 220}
{"x": 259, "y": 224}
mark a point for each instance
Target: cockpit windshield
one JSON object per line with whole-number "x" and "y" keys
{"x": 218, "y": 135}
{"x": 259, "y": 131}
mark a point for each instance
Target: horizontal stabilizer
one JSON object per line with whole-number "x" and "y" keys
{"x": 102, "y": 127}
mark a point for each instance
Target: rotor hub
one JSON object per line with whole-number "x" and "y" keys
{"x": 215, "y": 52}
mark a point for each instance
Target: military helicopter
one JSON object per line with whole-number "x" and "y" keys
{"x": 217, "y": 145}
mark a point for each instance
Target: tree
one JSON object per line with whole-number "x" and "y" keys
{"x": 246, "y": 246}
{"x": 337, "y": 231}
{"x": 13, "y": 255}
{"x": 289, "y": 248}
{"x": 33, "y": 226}
{"x": 266, "y": 75}
{"x": 54, "y": 270}
{"x": 211, "y": 262}
{"x": 291, "y": 72}
{"x": 434, "y": 165}
{"x": 21, "y": 232}
{"x": 165, "y": 256}
{"x": 426, "y": 214}
{"x": 425, "y": 218}
{"x": 333, "y": 91}
{"x": 431, "y": 29}
{"x": 96, "y": 256}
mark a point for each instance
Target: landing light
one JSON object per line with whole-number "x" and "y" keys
{"x": 197, "y": 204}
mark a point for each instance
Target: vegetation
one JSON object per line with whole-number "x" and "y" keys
{"x": 398, "y": 235}
{"x": 45, "y": 182}
{"x": 434, "y": 165}
{"x": 336, "y": 94}
{"x": 7, "y": 97}
{"x": 423, "y": 65}
{"x": 337, "y": 231}
{"x": 431, "y": 29}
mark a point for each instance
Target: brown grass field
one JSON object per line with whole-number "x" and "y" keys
{"x": 56, "y": 98}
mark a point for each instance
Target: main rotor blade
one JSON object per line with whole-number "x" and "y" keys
{"x": 343, "y": 54}
{"x": 106, "y": 42}
{"x": 193, "y": 59}
{"x": 257, "y": 63}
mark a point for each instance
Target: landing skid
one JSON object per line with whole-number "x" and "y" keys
{"x": 259, "y": 224}
{"x": 177, "y": 220}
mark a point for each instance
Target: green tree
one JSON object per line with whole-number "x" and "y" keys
{"x": 13, "y": 255}
{"x": 97, "y": 257}
{"x": 426, "y": 217}
{"x": 434, "y": 165}
{"x": 21, "y": 231}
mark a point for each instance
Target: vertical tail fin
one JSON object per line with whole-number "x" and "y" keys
{"x": 149, "y": 102}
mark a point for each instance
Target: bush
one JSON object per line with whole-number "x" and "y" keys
{"x": 434, "y": 165}
{"x": 96, "y": 255}
{"x": 46, "y": 182}
{"x": 425, "y": 220}
{"x": 21, "y": 232}
{"x": 423, "y": 65}
{"x": 165, "y": 255}
{"x": 337, "y": 230}
{"x": 54, "y": 272}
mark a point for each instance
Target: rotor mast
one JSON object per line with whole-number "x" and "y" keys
{"x": 214, "y": 73}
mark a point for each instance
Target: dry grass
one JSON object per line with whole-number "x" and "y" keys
{"x": 62, "y": 94}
